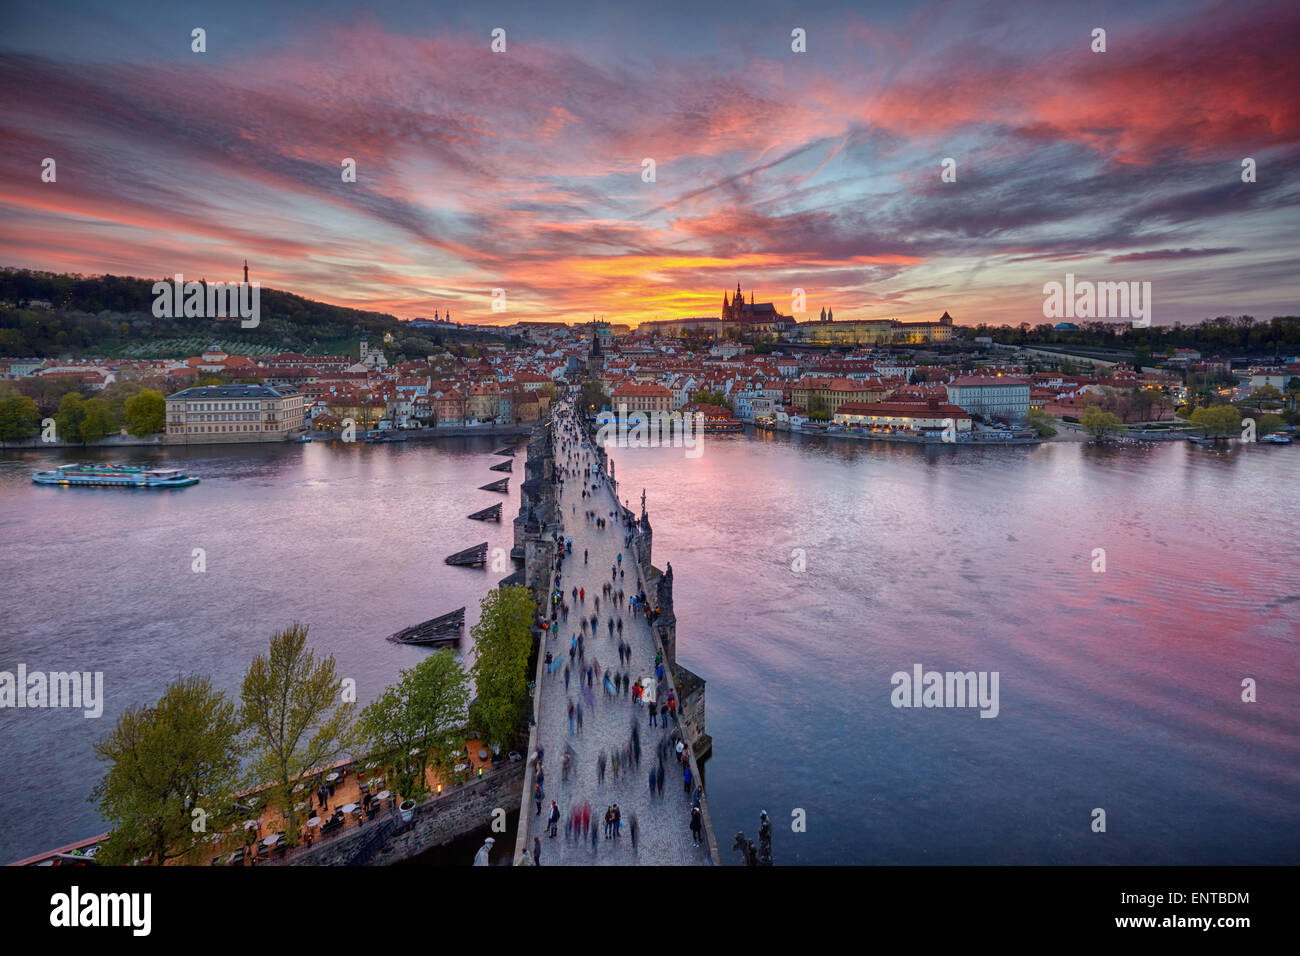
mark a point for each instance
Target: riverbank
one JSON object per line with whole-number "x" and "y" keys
{"x": 965, "y": 440}
{"x": 157, "y": 441}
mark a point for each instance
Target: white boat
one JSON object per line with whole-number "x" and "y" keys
{"x": 114, "y": 476}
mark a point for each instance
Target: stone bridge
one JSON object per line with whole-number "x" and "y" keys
{"x": 550, "y": 508}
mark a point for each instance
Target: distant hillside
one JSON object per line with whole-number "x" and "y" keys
{"x": 113, "y": 316}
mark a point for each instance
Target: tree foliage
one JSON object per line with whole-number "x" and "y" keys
{"x": 1040, "y": 422}
{"x": 1217, "y": 421}
{"x": 146, "y": 412}
{"x": 164, "y": 763}
{"x": 503, "y": 642}
{"x": 98, "y": 421}
{"x": 424, "y": 711}
{"x": 71, "y": 414}
{"x": 1100, "y": 424}
{"x": 19, "y": 418}
{"x": 293, "y": 715}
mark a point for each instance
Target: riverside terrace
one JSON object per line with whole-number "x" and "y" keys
{"x": 356, "y": 796}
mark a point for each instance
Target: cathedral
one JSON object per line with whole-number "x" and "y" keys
{"x": 738, "y": 310}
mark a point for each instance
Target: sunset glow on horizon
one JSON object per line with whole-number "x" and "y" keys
{"x": 777, "y": 170}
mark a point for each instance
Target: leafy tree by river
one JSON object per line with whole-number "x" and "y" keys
{"x": 425, "y": 710}
{"x": 294, "y": 716}
{"x": 19, "y": 418}
{"x": 165, "y": 762}
{"x": 1217, "y": 421}
{"x": 1040, "y": 422}
{"x": 145, "y": 412}
{"x": 1098, "y": 424}
{"x": 503, "y": 643}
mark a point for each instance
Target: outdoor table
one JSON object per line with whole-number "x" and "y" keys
{"x": 350, "y": 808}
{"x": 272, "y": 840}
{"x": 300, "y": 807}
{"x": 313, "y": 822}
{"x": 251, "y": 824}
{"x": 482, "y": 755}
{"x": 382, "y": 796}
{"x": 331, "y": 777}
{"x": 460, "y": 767}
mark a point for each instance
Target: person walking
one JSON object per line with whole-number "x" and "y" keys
{"x": 632, "y": 829}
{"x": 697, "y": 824}
{"x": 686, "y": 778}
{"x": 538, "y": 795}
{"x": 537, "y": 850}
{"x": 554, "y": 826}
{"x": 481, "y": 858}
{"x": 571, "y": 715}
{"x": 579, "y": 718}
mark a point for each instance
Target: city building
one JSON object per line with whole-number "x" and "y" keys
{"x": 641, "y": 397}
{"x": 234, "y": 413}
{"x": 991, "y": 397}
{"x": 909, "y": 416}
{"x": 832, "y": 392}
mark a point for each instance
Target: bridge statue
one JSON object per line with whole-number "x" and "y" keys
{"x": 746, "y": 848}
{"x": 764, "y": 840}
{"x": 763, "y": 856}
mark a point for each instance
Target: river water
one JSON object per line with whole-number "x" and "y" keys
{"x": 1119, "y": 690}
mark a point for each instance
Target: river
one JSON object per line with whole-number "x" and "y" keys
{"x": 1119, "y": 690}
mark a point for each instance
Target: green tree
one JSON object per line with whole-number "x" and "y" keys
{"x": 503, "y": 642}
{"x": 1099, "y": 424}
{"x": 1040, "y": 422}
{"x": 116, "y": 396}
{"x": 68, "y": 419}
{"x": 19, "y": 418}
{"x": 164, "y": 763}
{"x": 1217, "y": 420}
{"x": 817, "y": 410}
{"x": 98, "y": 422}
{"x": 710, "y": 397}
{"x": 1268, "y": 423}
{"x": 294, "y": 717}
{"x": 424, "y": 711}
{"x": 146, "y": 413}
{"x": 1266, "y": 393}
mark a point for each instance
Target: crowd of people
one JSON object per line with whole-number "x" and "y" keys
{"x": 583, "y": 674}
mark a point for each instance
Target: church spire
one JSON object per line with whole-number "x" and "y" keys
{"x": 245, "y": 272}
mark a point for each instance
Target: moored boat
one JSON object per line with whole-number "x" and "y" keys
{"x": 114, "y": 476}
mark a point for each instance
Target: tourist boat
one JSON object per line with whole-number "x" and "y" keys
{"x": 381, "y": 436}
{"x": 115, "y": 476}
{"x": 1275, "y": 439}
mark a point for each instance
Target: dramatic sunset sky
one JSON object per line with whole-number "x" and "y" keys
{"x": 522, "y": 170}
